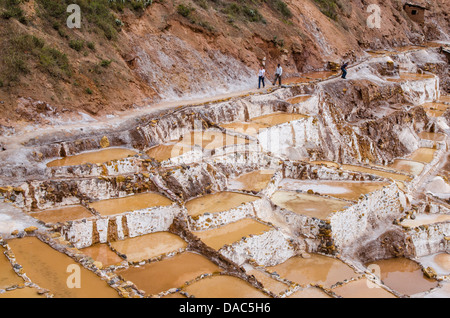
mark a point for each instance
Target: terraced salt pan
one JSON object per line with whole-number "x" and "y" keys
{"x": 299, "y": 99}
{"x": 253, "y": 181}
{"x": 94, "y": 157}
{"x": 342, "y": 189}
{"x": 308, "y": 77}
{"x": 275, "y": 119}
{"x": 435, "y": 109}
{"x": 217, "y": 202}
{"x": 171, "y": 272}
{"x": 130, "y": 203}
{"x": 211, "y": 139}
{"x": 310, "y": 292}
{"x": 63, "y": 214}
{"x": 408, "y": 166}
{"x": 268, "y": 282}
{"x": 425, "y": 219}
{"x": 440, "y": 262}
{"x": 399, "y": 273}
{"x": 383, "y": 174}
{"x": 410, "y": 77}
{"x": 423, "y": 155}
{"x": 362, "y": 288}
{"x": 165, "y": 152}
{"x": 48, "y": 268}
{"x": 246, "y": 128}
{"x": 230, "y": 287}
{"x": 233, "y": 232}
{"x": 432, "y": 136}
{"x": 148, "y": 246}
{"x": 8, "y": 277}
{"x": 102, "y": 253}
{"x": 317, "y": 269}
{"x": 307, "y": 204}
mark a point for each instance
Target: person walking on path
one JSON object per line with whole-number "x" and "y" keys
{"x": 344, "y": 70}
{"x": 278, "y": 74}
{"x": 262, "y": 75}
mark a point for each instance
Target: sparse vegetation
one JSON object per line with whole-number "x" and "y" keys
{"x": 329, "y": 8}
{"x": 24, "y": 50}
{"x": 185, "y": 10}
{"x": 12, "y": 10}
{"x": 77, "y": 45}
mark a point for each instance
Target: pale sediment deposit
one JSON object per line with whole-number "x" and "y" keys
{"x": 318, "y": 188}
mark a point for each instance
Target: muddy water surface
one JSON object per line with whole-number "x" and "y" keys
{"x": 306, "y": 204}
{"x": 311, "y": 292}
{"x": 423, "y": 155}
{"x": 432, "y": 136}
{"x": 299, "y": 99}
{"x": 277, "y": 118}
{"x": 102, "y": 253}
{"x": 96, "y": 157}
{"x": 383, "y": 174}
{"x": 230, "y": 233}
{"x": 169, "y": 273}
{"x": 435, "y": 109}
{"x": 51, "y": 269}
{"x": 362, "y": 288}
{"x": 424, "y": 219}
{"x": 408, "y": 166}
{"x": 217, "y": 202}
{"x": 130, "y": 203}
{"x": 317, "y": 269}
{"x": 7, "y": 275}
{"x": 63, "y": 214}
{"x": 246, "y": 128}
{"x": 148, "y": 246}
{"x": 253, "y": 181}
{"x": 349, "y": 190}
{"x": 165, "y": 152}
{"x": 410, "y": 77}
{"x": 404, "y": 276}
{"x": 230, "y": 287}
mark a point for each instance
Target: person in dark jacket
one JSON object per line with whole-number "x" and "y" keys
{"x": 344, "y": 70}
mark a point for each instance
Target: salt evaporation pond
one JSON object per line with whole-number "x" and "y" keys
{"x": 94, "y": 157}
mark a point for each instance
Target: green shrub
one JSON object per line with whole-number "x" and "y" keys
{"x": 77, "y": 45}
{"x": 328, "y": 7}
{"x": 91, "y": 46}
{"x": 88, "y": 91}
{"x": 105, "y": 63}
{"x": 184, "y": 10}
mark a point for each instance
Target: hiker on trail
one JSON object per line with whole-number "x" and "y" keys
{"x": 344, "y": 70}
{"x": 278, "y": 75}
{"x": 262, "y": 75}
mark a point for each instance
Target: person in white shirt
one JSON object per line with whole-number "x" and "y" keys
{"x": 262, "y": 75}
{"x": 278, "y": 75}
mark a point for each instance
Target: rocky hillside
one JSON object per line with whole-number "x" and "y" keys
{"x": 129, "y": 54}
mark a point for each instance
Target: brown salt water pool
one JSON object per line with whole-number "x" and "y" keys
{"x": 342, "y": 189}
{"x": 432, "y": 136}
{"x": 171, "y": 272}
{"x": 230, "y": 287}
{"x": 246, "y": 128}
{"x": 230, "y": 233}
{"x": 217, "y": 202}
{"x": 102, "y": 253}
{"x": 317, "y": 269}
{"x": 408, "y": 166}
{"x": 307, "y": 204}
{"x": 94, "y": 157}
{"x": 362, "y": 288}
{"x": 404, "y": 276}
{"x": 147, "y": 246}
{"x": 252, "y": 181}
{"x": 130, "y": 203}
{"x": 63, "y": 214}
{"x": 277, "y": 118}
{"x": 423, "y": 155}
{"x": 165, "y": 152}
{"x": 51, "y": 269}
